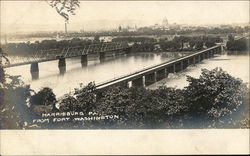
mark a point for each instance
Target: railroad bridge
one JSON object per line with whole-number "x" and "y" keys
{"x": 101, "y": 50}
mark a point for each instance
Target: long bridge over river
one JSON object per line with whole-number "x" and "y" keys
{"x": 155, "y": 73}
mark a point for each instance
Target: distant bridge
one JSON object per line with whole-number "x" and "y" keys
{"x": 101, "y": 49}
{"x": 155, "y": 73}
{"x": 69, "y": 52}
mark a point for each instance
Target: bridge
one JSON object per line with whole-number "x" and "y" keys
{"x": 102, "y": 49}
{"x": 155, "y": 73}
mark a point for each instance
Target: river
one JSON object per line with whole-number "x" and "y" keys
{"x": 110, "y": 68}
{"x": 113, "y": 67}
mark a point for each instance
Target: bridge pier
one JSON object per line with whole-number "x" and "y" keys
{"x": 191, "y": 61}
{"x": 62, "y": 65}
{"x": 212, "y": 54}
{"x": 161, "y": 74}
{"x": 185, "y": 64}
{"x": 221, "y": 48}
{"x": 84, "y": 60}
{"x": 150, "y": 78}
{"x": 216, "y": 51}
{"x": 188, "y": 62}
{"x": 139, "y": 82}
{"x": 34, "y": 70}
{"x": 194, "y": 60}
{"x": 171, "y": 69}
{"x": 179, "y": 66}
{"x": 201, "y": 57}
{"x": 208, "y": 54}
{"x": 102, "y": 55}
{"x": 197, "y": 59}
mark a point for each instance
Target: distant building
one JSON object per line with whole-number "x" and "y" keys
{"x": 81, "y": 30}
{"x": 119, "y": 28}
{"x": 165, "y": 23}
{"x": 127, "y": 29}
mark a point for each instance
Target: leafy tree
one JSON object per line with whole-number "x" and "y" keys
{"x": 69, "y": 103}
{"x": 14, "y": 111}
{"x": 239, "y": 45}
{"x": 83, "y": 99}
{"x": 230, "y": 37}
{"x": 64, "y": 8}
{"x": 214, "y": 95}
{"x": 43, "y": 97}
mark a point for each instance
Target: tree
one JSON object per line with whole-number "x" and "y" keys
{"x": 64, "y": 8}
{"x": 83, "y": 99}
{"x": 69, "y": 103}
{"x": 239, "y": 45}
{"x": 44, "y": 97}
{"x": 215, "y": 95}
{"x": 14, "y": 112}
{"x": 230, "y": 37}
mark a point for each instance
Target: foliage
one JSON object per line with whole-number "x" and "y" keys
{"x": 43, "y": 97}
{"x": 134, "y": 39}
{"x": 215, "y": 95}
{"x": 194, "y": 42}
{"x": 83, "y": 99}
{"x": 65, "y": 7}
{"x": 239, "y": 45}
{"x": 14, "y": 111}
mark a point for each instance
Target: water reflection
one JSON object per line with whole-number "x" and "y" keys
{"x": 84, "y": 64}
{"x": 34, "y": 75}
{"x": 62, "y": 70}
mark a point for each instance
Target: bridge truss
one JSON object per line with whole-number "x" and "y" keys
{"x": 68, "y": 52}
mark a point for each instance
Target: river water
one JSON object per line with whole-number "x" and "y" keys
{"x": 96, "y": 70}
{"x": 113, "y": 67}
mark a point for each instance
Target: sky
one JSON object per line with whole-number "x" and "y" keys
{"x": 27, "y": 16}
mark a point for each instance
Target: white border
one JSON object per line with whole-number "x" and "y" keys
{"x": 125, "y": 142}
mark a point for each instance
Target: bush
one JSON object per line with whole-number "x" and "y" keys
{"x": 215, "y": 95}
{"x": 83, "y": 99}
{"x": 44, "y": 97}
{"x": 14, "y": 111}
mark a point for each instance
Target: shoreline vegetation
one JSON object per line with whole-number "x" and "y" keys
{"x": 142, "y": 31}
{"x": 138, "y": 44}
{"x": 214, "y": 100}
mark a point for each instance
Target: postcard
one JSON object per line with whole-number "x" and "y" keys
{"x": 124, "y": 77}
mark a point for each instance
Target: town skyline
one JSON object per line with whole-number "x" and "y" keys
{"x": 32, "y": 16}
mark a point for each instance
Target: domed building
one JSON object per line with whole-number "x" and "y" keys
{"x": 165, "y": 23}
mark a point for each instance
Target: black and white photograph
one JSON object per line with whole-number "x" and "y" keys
{"x": 124, "y": 65}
